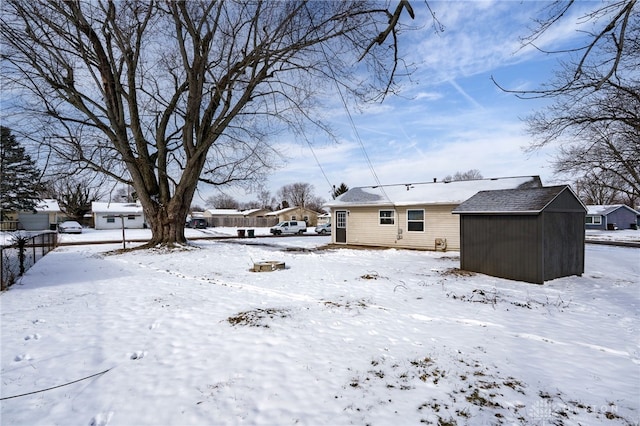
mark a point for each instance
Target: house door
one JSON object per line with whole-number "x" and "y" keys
{"x": 341, "y": 226}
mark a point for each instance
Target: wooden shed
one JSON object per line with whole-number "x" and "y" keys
{"x": 531, "y": 235}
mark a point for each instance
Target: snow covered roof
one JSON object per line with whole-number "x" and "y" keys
{"x": 454, "y": 192}
{"x": 101, "y": 207}
{"x": 529, "y": 200}
{"x": 288, "y": 209}
{"x": 603, "y": 210}
{"x": 48, "y": 205}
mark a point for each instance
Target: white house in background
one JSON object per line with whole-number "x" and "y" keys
{"x": 47, "y": 214}
{"x": 112, "y": 215}
{"x": 324, "y": 218}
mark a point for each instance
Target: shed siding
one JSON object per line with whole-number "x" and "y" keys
{"x": 563, "y": 243}
{"x": 502, "y": 246}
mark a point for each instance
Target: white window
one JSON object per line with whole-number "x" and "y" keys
{"x": 387, "y": 217}
{"x": 415, "y": 220}
{"x": 593, "y": 220}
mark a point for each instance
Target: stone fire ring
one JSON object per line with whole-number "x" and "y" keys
{"x": 268, "y": 266}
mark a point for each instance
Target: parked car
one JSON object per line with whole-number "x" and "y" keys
{"x": 70, "y": 227}
{"x": 323, "y": 229}
{"x": 198, "y": 223}
{"x": 289, "y": 227}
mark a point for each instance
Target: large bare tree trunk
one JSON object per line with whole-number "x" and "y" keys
{"x": 164, "y": 95}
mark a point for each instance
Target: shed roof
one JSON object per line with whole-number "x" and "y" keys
{"x": 603, "y": 210}
{"x": 454, "y": 192}
{"x": 526, "y": 200}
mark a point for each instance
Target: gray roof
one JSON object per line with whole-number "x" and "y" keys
{"x": 531, "y": 200}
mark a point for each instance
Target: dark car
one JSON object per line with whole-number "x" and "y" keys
{"x": 197, "y": 223}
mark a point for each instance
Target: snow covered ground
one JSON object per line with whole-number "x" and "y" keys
{"x": 341, "y": 336}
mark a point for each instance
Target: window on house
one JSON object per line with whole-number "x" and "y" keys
{"x": 593, "y": 220}
{"x": 415, "y": 220}
{"x": 306, "y": 218}
{"x": 293, "y": 218}
{"x": 131, "y": 217}
{"x": 387, "y": 217}
{"x": 111, "y": 219}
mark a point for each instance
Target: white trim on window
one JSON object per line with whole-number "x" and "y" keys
{"x": 415, "y": 220}
{"x": 593, "y": 220}
{"x": 386, "y": 217}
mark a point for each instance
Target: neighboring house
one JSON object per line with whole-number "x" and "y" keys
{"x": 114, "y": 215}
{"x": 410, "y": 215}
{"x": 532, "y": 235}
{"x": 46, "y": 216}
{"x": 615, "y": 216}
{"x": 295, "y": 213}
{"x": 238, "y": 218}
{"x": 324, "y": 218}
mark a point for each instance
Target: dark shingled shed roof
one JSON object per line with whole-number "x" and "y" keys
{"x": 518, "y": 201}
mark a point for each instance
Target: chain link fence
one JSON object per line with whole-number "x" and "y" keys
{"x": 21, "y": 251}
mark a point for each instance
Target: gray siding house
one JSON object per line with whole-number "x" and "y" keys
{"x": 611, "y": 217}
{"x": 531, "y": 235}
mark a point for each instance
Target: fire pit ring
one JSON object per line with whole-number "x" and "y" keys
{"x": 268, "y": 266}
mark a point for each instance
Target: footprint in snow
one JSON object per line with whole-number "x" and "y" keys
{"x": 101, "y": 419}
{"x": 23, "y": 357}
{"x": 32, "y": 336}
{"x": 137, "y": 355}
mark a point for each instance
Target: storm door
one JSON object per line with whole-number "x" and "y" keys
{"x": 341, "y": 226}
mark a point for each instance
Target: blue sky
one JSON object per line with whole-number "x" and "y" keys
{"x": 450, "y": 116}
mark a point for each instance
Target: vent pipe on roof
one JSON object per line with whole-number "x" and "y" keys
{"x": 434, "y": 180}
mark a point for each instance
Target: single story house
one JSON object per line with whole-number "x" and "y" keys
{"x": 47, "y": 214}
{"x": 238, "y": 218}
{"x": 324, "y": 218}
{"x": 114, "y": 215}
{"x": 615, "y": 216}
{"x": 295, "y": 213}
{"x": 414, "y": 216}
{"x": 532, "y": 235}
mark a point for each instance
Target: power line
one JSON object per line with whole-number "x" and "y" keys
{"x": 346, "y": 108}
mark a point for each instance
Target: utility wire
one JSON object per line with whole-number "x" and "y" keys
{"x": 55, "y": 387}
{"x": 346, "y": 108}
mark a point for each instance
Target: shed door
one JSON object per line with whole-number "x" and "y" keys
{"x": 341, "y": 226}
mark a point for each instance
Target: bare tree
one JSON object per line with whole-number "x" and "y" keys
{"x": 265, "y": 199}
{"x": 222, "y": 201}
{"x": 468, "y": 175}
{"x": 595, "y": 111}
{"x": 75, "y": 195}
{"x": 300, "y": 194}
{"x": 162, "y": 95}
{"x": 597, "y": 188}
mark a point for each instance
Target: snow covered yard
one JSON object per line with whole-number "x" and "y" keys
{"x": 339, "y": 337}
